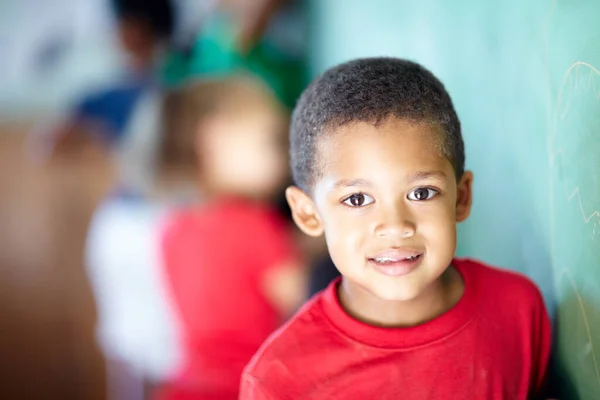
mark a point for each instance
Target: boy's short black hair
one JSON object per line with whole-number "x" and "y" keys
{"x": 158, "y": 15}
{"x": 370, "y": 90}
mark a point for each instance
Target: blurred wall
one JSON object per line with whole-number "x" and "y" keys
{"x": 51, "y": 51}
{"x": 47, "y": 311}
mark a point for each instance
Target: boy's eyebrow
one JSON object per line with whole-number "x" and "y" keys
{"x": 417, "y": 176}
{"x": 421, "y": 175}
{"x": 351, "y": 182}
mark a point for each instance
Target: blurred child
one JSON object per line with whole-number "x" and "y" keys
{"x": 136, "y": 323}
{"x": 111, "y": 113}
{"x": 378, "y": 159}
{"x": 231, "y": 262}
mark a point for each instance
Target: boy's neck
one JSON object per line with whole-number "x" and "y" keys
{"x": 440, "y": 297}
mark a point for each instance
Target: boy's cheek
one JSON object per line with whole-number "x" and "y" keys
{"x": 346, "y": 250}
{"x": 441, "y": 231}
{"x": 443, "y": 215}
{"x": 346, "y": 229}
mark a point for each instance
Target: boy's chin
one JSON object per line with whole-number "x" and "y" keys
{"x": 397, "y": 295}
{"x": 394, "y": 291}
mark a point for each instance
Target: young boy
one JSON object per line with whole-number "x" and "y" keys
{"x": 378, "y": 159}
{"x": 230, "y": 260}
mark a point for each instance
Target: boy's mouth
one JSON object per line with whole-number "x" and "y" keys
{"x": 388, "y": 260}
{"x": 396, "y": 262}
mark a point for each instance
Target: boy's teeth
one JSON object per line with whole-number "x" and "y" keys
{"x": 387, "y": 260}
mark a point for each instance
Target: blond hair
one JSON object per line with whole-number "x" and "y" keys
{"x": 187, "y": 107}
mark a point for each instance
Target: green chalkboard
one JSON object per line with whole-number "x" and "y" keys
{"x": 574, "y": 159}
{"x": 525, "y": 78}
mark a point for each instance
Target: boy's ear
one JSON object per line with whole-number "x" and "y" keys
{"x": 464, "y": 196}
{"x": 304, "y": 211}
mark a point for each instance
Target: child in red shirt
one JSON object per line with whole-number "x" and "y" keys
{"x": 230, "y": 261}
{"x": 378, "y": 159}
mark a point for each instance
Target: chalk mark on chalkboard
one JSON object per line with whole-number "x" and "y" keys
{"x": 588, "y": 331}
{"x": 559, "y": 153}
{"x": 591, "y": 84}
{"x": 575, "y": 193}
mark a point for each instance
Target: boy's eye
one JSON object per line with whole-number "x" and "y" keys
{"x": 358, "y": 200}
{"x": 421, "y": 194}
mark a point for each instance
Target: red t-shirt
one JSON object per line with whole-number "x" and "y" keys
{"x": 215, "y": 257}
{"x": 493, "y": 344}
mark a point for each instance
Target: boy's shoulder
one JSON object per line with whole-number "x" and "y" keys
{"x": 500, "y": 287}
{"x": 296, "y": 339}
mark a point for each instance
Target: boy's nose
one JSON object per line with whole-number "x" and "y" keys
{"x": 396, "y": 222}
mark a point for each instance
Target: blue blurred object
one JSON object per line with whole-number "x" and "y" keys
{"x": 112, "y": 107}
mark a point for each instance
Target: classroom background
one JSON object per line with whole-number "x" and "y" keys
{"x": 81, "y": 284}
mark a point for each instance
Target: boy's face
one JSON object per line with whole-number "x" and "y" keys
{"x": 388, "y": 203}
{"x": 138, "y": 43}
{"x": 245, "y": 153}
